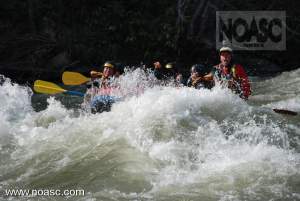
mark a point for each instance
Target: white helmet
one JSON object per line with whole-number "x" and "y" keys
{"x": 225, "y": 49}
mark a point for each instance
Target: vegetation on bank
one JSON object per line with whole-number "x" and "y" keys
{"x": 39, "y": 38}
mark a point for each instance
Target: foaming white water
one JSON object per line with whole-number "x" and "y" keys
{"x": 54, "y": 112}
{"x": 184, "y": 131}
{"x": 282, "y": 91}
{"x": 15, "y": 104}
{"x": 165, "y": 144}
{"x": 290, "y": 103}
{"x": 15, "y": 100}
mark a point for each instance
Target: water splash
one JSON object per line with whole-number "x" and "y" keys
{"x": 166, "y": 143}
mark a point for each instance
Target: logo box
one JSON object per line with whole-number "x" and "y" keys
{"x": 251, "y": 30}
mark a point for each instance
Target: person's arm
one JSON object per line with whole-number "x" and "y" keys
{"x": 189, "y": 82}
{"x": 95, "y": 74}
{"x": 208, "y": 77}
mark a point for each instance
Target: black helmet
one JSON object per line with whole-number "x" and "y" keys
{"x": 119, "y": 68}
{"x": 200, "y": 69}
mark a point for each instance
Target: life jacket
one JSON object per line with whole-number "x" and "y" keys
{"x": 236, "y": 73}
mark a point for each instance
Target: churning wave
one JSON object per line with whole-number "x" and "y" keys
{"x": 167, "y": 143}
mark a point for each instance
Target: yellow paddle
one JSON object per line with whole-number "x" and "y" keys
{"x": 74, "y": 78}
{"x": 45, "y": 87}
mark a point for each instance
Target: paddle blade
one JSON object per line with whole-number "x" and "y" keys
{"x": 283, "y": 111}
{"x": 74, "y": 78}
{"x": 45, "y": 87}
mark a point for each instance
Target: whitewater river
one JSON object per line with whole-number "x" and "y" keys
{"x": 169, "y": 144}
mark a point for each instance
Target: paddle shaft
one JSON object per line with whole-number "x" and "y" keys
{"x": 75, "y": 93}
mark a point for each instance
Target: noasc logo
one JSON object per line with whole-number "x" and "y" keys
{"x": 251, "y": 30}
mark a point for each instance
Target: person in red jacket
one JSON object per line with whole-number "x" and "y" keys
{"x": 232, "y": 74}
